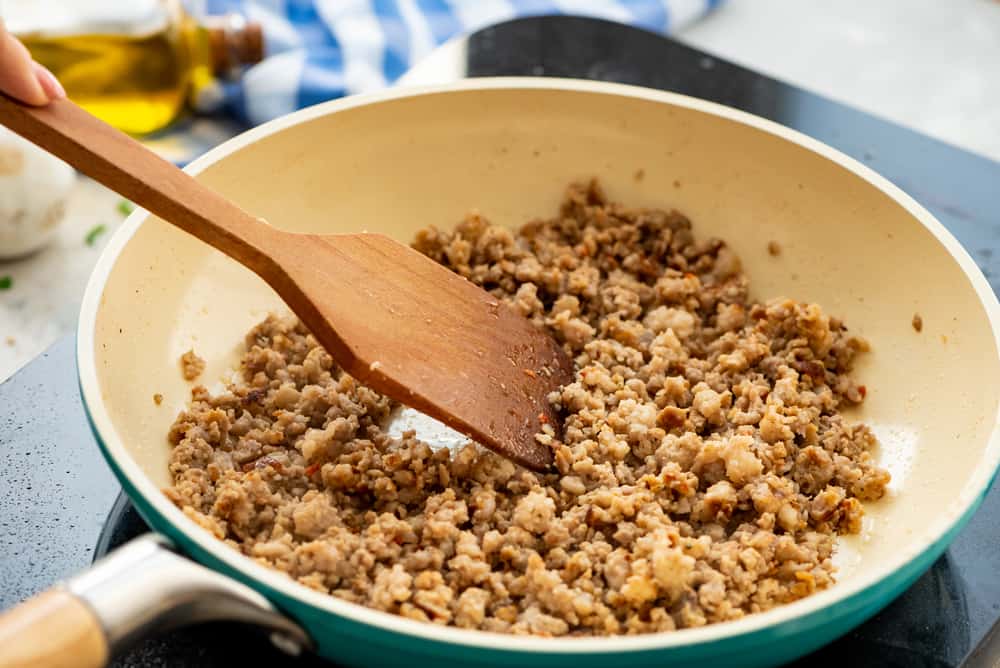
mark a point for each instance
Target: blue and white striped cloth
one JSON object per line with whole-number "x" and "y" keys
{"x": 317, "y": 50}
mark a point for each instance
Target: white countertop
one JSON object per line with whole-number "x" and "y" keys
{"x": 43, "y": 302}
{"x": 933, "y": 66}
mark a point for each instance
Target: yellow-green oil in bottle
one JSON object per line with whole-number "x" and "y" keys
{"x": 138, "y": 84}
{"x": 138, "y": 78}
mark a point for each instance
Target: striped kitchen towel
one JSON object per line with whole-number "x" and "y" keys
{"x": 317, "y": 50}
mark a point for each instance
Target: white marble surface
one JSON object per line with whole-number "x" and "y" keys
{"x": 43, "y": 301}
{"x": 931, "y": 65}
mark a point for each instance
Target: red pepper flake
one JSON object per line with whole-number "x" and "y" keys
{"x": 264, "y": 462}
{"x": 863, "y": 391}
{"x": 530, "y": 374}
{"x": 312, "y": 468}
{"x": 688, "y": 274}
{"x": 543, "y": 418}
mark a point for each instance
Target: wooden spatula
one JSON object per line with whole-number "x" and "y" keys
{"x": 391, "y": 317}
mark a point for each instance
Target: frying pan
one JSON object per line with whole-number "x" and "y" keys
{"x": 402, "y": 159}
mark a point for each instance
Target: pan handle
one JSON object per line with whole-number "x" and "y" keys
{"x": 54, "y": 630}
{"x": 141, "y": 588}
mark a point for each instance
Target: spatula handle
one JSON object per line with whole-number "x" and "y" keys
{"x": 111, "y": 157}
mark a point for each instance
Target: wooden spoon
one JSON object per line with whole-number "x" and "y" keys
{"x": 391, "y": 317}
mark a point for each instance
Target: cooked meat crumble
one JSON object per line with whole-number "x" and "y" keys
{"x": 191, "y": 365}
{"x": 703, "y": 472}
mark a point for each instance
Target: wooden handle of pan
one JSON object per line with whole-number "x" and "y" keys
{"x": 114, "y": 159}
{"x": 52, "y": 630}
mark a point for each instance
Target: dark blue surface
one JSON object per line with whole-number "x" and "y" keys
{"x": 57, "y": 491}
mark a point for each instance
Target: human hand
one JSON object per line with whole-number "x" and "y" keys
{"x": 23, "y": 78}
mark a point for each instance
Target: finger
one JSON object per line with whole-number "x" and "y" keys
{"x": 49, "y": 83}
{"x": 18, "y": 77}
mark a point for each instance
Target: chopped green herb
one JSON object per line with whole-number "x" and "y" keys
{"x": 125, "y": 207}
{"x": 95, "y": 231}
{"x": 6, "y": 282}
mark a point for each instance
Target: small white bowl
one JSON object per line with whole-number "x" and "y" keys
{"x": 34, "y": 187}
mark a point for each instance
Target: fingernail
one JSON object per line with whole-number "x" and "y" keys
{"x": 49, "y": 83}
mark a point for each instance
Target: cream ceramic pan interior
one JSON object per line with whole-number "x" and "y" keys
{"x": 404, "y": 160}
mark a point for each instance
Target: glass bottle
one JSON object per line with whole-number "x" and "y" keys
{"x": 133, "y": 63}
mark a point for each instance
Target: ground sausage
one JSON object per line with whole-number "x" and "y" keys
{"x": 703, "y": 472}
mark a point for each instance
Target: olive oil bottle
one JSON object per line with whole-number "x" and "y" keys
{"x": 132, "y": 63}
